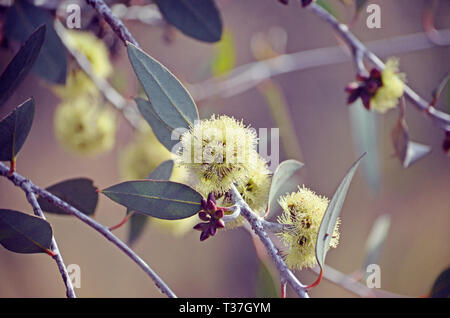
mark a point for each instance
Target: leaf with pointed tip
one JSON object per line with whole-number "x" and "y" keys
{"x": 376, "y": 239}
{"x": 162, "y": 132}
{"x": 14, "y": 130}
{"x": 441, "y": 286}
{"x": 23, "y": 233}
{"x": 138, "y": 223}
{"x": 199, "y": 19}
{"x": 21, "y": 20}
{"x": 331, "y": 215}
{"x": 80, "y": 193}
{"x": 406, "y": 150}
{"x": 284, "y": 171}
{"x": 161, "y": 199}
{"x": 21, "y": 64}
{"x": 171, "y": 101}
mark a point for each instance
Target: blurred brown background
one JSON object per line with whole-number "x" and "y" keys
{"x": 417, "y": 198}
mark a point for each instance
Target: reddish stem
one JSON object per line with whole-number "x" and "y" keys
{"x": 283, "y": 290}
{"x": 12, "y": 167}
{"x": 125, "y": 220}
{"x": 317, "y": 281}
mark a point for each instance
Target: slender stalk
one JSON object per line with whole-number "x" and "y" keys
{"x": 116, "y": 24}
{"x": 27, "y": 185}
{"x": 256, "y": 223}
{"x": 441, "y": 118}
{"x": 70, "y": 292}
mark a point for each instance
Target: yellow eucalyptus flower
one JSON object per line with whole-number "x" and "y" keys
{"x": 303, "y": 210}
{"x": 77, "y": 84}
{"x": 93, "y": 48}
{"x": 85, "y": 127}
{"x": 388, "y": 94}
{"x": 255, "y": 190}
{"x": 143, "y": 155}
{"x": 218, "y": 152}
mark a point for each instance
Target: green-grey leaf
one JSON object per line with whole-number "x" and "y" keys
{"x": 161, "y": 199}
{"x": 14, "y": 130}
{"x": 162, "y": 132}
{"x": 22, "y": 19}
{"x": 21, "y": 64}
{"x": 171, "y": 101}
{"x": 376, "y": 239}
{"x": 364, "y": 126}
{"x": 331, "y": 215}
{"x": 23, "y": 233}
{"x": 284, "y": 171}
{"x": 80, "y": 193}
{"x": 199, "y": 19}
{"x": 139, "y": 221}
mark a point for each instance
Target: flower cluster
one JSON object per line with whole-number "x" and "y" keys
{"x": 212, "y": 215}
{"x": 303, "y": 211}
{"x": 82, "y": 122}
{"x": 221, "y": 152}
{"x": 218, "y": 152}
{"x": 84, "y": 127}
{"x": 380, "y": 90}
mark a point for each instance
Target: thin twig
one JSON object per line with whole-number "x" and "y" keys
{"x": 247, "y": 76}
{"x": 70, "y": 293}
{"x": 27, "y": 185}
{"x": 256, "y": 222}
{"x": 116, "y": 24}
{"x": 441, "y": 118}
{"x": 128, "y": 108}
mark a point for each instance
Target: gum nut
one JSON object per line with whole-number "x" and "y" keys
{"x": 219, "y": 214}
{"x": 212, "y": 230}
{"x": 220, "y": 224}
{"x": 204, "y": 235}
{"x": 203, "y": 204}
{"x": 200, "y": 226}
{"x": 211, "y": 198}
{"x": 204, "y": 216}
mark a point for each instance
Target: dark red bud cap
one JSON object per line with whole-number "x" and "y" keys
{"x": 211, "y": 198}
{"x": 204, "y": 216}
{"x": 201, "y": 226}
{"x": 220, "y": 224}
{"x": 204, "y": 235}
{"x": 203, "y": 205}
{"x": 212, "y": 230}
{"x": 219, "y": 214}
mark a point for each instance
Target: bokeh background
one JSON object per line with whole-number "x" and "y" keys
{"x": 416, "y": 198}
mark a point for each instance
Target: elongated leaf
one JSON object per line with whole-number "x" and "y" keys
{"x": 80, "y": 193}
{"x": 161, "y": 199}
{"x": 284, "y": 171}
{"x": 21, "y": 64}
{"x": 199, "y": 19}
{"x": 22, "y": 19}
{"x": 170, "y": 99}
{"x": 331, "y": 215}
{"x": 407, "y": 151}
{"x": 138, "y": 221}
{"x": 376, "y": 239}
{"x": 162, "y": 132}
{"x": 14, "y": 130}
{"x": 441, "y": 286}
{"x": 23, "y": 233}
{"x": 364, "y": 126}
